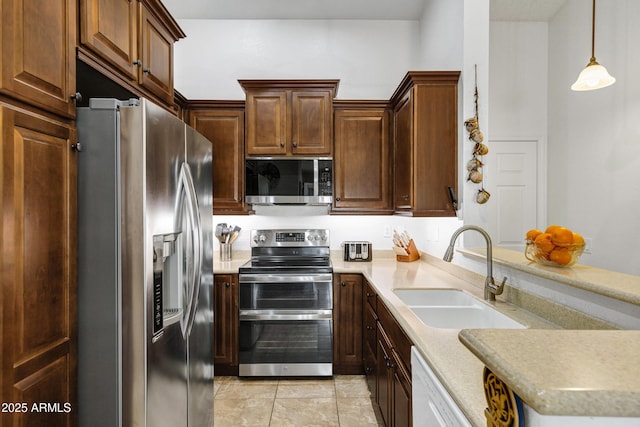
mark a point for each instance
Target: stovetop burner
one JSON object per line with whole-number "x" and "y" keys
{"x": 289, "y": 251}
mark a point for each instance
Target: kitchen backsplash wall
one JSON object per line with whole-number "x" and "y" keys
{"x": 430, "y": 234}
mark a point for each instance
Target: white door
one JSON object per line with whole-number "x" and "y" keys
{"x": 515, "y": 171}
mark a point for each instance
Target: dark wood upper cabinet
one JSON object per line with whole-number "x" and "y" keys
{"x": 289, "y": 117}
{"x": 222, "y": 122}
{"x": 132, "y": 43}
{"x": 38, "y": 61}
{"x": 362, "y": 158}
{"x": 425, "y": 143}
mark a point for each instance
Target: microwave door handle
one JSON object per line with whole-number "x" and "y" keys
{"x": 316, "y": 174}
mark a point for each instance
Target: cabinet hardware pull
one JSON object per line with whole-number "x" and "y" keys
{"x": 76, "y": 97}
{"x": 405, "y": 197}
{"x": 137, "y": 62}
{"x": 295, "y": 144}
{"x": 146, "y": 70}
{"x": 343, "y": 284}
{"x": 281, "y": 144}
{"x": 454, "y": 200}
{"x": 337, "y": 199}
{"x": 76, "y": 147}
{"x": 227, "y": 284}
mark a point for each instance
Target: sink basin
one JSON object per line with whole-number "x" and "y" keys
{"x": 436, "y": 297}
{"x": 454, "y": 309}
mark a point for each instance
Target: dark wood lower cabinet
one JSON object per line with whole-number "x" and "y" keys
{"x": 347, "y": 324}
{"x": 38, "y": 327}
{"x": 387, "y": 362}
{"x": 225, "y": 324}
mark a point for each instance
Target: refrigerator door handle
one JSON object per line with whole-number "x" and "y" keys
{"x": 186, "y": 186}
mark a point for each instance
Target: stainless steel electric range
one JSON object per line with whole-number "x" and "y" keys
{"x": 286, "y": 305}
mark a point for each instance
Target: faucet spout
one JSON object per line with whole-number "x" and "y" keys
{"x": 490, "y": 287}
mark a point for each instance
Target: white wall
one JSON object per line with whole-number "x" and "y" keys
{"x": 369, "y": 57}
{"x": 594, "y": 137}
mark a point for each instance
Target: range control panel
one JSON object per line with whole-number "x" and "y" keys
{"x": 275, "y": 238}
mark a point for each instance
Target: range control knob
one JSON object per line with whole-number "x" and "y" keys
{"x": 259, "y": 238}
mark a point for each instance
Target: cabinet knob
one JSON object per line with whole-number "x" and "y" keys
{"x": 76, "y": 97}
{"x": 295, "y": 144}
{"x": 227, "y": 284}
{"x": 405, "y": 197}
{"x": 137, "y": 62}
{"x": 281, "y": 144}
{"x": 76, "y": 147}
{"x": 337, "y": 199}
{"x": 343, "y": 284}
{"x": 146, "y": 70}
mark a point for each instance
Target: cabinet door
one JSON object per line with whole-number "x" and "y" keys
{"x": 225, "y": 130}
{"x": 436, "y": 146}
{"x": 402, "y": 416}
{"x": 225, "y": 321}
{"x": 403, "y": 155}
{"x": 38, "y": 61}
{"x": 38, "y": 300}
{"x": 383, "y": 384}
{"x": 312, "y": 130}
{"x": 347, "y": 312}
{"x": 156, "y": 52}
{"x": 109, "y": 28}
{"x": 266, "y": 123}
{"x": 362, "y": 161}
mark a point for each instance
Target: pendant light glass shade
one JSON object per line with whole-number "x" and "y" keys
{"x": 594, "y": 76}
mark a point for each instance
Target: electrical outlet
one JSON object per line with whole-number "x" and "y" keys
{"x": 387, "y": 231}
{"x": 588, "y": 245}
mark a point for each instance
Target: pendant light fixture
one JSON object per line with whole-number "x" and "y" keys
{"x": 594, "y": 76}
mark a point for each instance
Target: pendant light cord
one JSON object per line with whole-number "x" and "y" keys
{"x": 593, "y": 33}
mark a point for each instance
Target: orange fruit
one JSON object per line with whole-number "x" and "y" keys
{"x": 578, "y": 239}
{"x": 560, "y": 256}
{"x": 562, "y": 236}
{"x": 544, "y": 243}
{"x": 532, "y": 234}
{"x": 550, "y": 229}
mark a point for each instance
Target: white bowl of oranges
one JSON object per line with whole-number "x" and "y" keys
{"x": 556, "y": 246}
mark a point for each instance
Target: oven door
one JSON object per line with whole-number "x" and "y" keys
{"x": 286, "y": 326}
{"x": 289, "y": 343}
{"x": 286, "y": 291}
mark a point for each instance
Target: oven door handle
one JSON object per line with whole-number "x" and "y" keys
{"x": 285, "y": 278}
{"x": 285, "y": 315}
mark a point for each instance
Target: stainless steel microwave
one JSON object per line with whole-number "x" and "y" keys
{"x": 290, "y": 180}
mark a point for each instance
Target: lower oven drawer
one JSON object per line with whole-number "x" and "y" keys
{"x": 285, "y": 344}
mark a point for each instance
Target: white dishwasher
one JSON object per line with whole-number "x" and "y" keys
{"x": 432, "y": 404}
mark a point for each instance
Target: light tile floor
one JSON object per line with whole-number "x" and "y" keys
{"x": 339, "y": 401}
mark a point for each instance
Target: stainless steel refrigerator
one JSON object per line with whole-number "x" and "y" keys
{"x": 145, "y": 268}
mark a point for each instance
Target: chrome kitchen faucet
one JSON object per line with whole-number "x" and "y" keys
{"x": 490, "y": 287}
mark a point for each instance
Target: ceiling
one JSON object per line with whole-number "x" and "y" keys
{"x": 501, "y": 10}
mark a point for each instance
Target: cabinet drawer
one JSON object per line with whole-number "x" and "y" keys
{"x": 370, "y": 320}
{"x": 370, "y": 296}
{"x": 400, "y": 341}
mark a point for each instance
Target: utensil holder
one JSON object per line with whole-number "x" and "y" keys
{"x": 225, "y": 251}
{"x": 413, "y": 252}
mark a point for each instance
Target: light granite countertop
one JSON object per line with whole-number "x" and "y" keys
{"x": 457, "y": 367}
{"x": 620, "y": 286}
{"x": 565, "y": 371}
